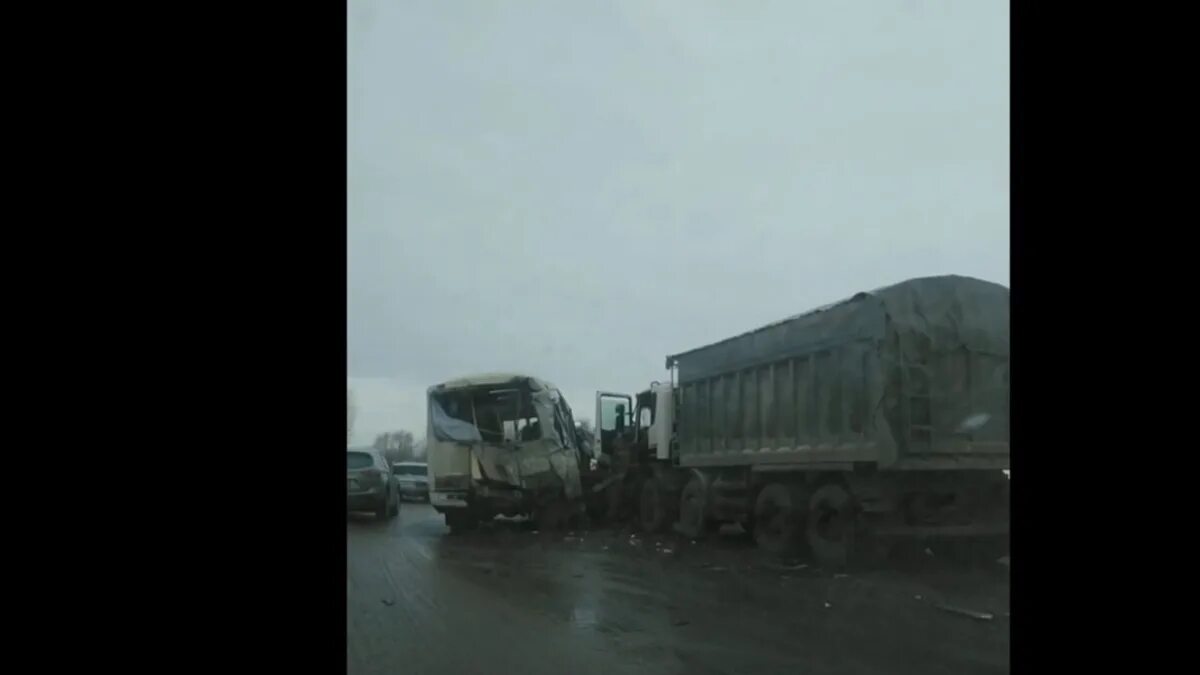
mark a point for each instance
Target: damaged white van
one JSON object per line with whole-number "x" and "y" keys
{"x": 502, "y": 444}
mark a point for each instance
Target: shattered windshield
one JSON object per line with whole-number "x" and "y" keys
{"x": 486, "y": 414}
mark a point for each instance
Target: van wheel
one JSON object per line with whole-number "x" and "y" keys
{"x": 779, "y": 520}
{"x": 459, "y": 520}
{"x": 832, "y": 528}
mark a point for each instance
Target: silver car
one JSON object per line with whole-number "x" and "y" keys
{"x": 370, "y": 485}
{"x": 413, "y": 478}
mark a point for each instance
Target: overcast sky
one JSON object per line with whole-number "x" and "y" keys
{"x": 576, "y": 189}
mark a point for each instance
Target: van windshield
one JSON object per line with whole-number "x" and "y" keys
{"x": 487, "y": 414}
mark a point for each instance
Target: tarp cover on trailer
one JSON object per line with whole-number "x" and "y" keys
{"x": 917, "y": 368}
{"x": 945, "y": 311}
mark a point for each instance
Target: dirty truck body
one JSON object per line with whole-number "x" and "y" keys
{"x": 837, "y": 433}
{"x": 500, "y": 444}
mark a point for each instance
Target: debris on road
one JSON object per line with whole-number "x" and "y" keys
{"x": 840, "y": 576}
{"x": 980, "y": 616}
{"x": 387, "y": 602}
{"x": 827, "y": 605}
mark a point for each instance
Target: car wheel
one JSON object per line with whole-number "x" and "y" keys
{"x": 395, "y": 510}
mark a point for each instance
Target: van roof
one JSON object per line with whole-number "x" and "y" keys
{"x": 491, "y": 379}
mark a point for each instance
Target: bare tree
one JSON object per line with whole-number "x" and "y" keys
{"x": 397, "y": 446}
{"x": 351, "y": 413}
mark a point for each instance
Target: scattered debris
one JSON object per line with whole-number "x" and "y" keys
{"x": 604, "y": 548}
{"x": 666, "y": 550}
{"x": 571, "y": 539}
{"x": 827, "y": 605}
{"x": 981, "y": 616}
{"x": 840, "y": 576}
{"x": 918, "y": 597}
{"x": 715, "y": 568}
{"x": 387, "y": 602}
{"x": 693, "y": 541}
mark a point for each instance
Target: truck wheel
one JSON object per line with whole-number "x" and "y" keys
{"x": 693, "y": 517}
{"x": 831, "y": 527}
{"x": 653, "y": 512}
{"x": 779, "y": 520}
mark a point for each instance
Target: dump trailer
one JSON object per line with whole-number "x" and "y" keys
{"x": 837, "y": 433}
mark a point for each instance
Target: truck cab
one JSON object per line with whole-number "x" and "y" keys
{"x": 644, "y": 421}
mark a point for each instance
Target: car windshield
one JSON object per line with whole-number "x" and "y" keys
{"x": 359, "y": 460}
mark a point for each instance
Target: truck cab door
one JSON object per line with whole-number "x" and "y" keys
{"x": 613, "y": 413}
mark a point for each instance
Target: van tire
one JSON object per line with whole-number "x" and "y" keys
{"x": 654, "y": 513}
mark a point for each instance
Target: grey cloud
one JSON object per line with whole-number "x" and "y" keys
{"x": 578, "y": 189}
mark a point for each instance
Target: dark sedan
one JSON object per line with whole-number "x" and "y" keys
{"x": 370, "y": 486}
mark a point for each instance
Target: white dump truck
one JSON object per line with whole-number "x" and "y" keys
{"x": 837, "y": 433}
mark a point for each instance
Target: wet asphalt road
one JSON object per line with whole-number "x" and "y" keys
{"x": 510, "y": 600}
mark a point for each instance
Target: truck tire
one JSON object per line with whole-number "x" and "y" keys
{"x": 779, "y": 520}
{"x": 694, "y": 522}
{"x": 654, "y": 513}
{"x": 831, "y": 529}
